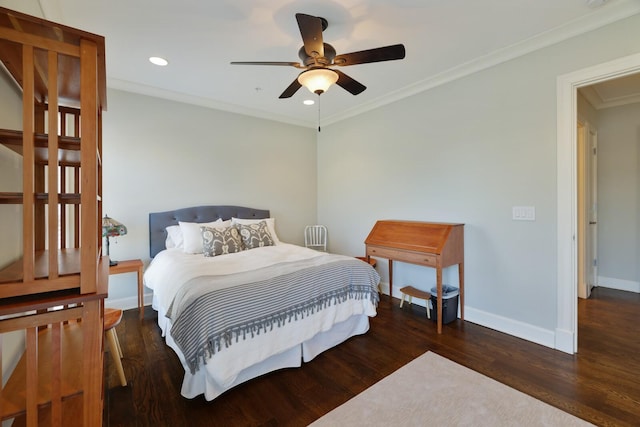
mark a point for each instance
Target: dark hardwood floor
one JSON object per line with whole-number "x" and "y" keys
{"x": 600, "y": 384}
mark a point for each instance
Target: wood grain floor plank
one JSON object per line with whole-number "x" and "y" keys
{"x": 600, "y": 384}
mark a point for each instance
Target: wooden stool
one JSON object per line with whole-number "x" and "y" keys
{"x": 112, "y": 318}
{"x": 411, "y": 292}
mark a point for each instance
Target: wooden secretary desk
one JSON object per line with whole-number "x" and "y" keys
{"x": 431, "y": 244}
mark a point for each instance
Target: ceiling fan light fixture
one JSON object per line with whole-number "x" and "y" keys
{"x": 318, "y": 80}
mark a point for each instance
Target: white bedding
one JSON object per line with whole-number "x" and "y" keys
{"x": 173, "y": 266}
{"x": 282, "y": 347}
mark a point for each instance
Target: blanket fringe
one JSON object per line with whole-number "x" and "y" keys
{"x": 226, "y": 338}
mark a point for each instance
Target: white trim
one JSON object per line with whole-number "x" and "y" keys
{"x": 607, "y": 14}
{"x": 128, "y": 303}
{"x": 516, "y": 328}
{"x": 592, "y": 96}
{"x": 611, "y": 13}
{"x": 618, "y": 102}
{"x": 565, "y": 340}
{"x": 142, "y": 89}
{"x": 598, "y": 103}
{"x": 620, "y": 284}
{"x": 567, "y": 85}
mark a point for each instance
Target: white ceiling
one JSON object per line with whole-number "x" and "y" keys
{"x": 444, "y": 39}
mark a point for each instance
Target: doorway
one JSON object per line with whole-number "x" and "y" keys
{"x": 566, "y": 334}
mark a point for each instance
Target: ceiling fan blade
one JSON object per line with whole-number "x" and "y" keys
{"x": 311, "y": 32}
{"x": 386, "y": 53}
{"x": 347, "y": 83}
{"x": 293, "y": 88}
{"x": 291, "y": 64}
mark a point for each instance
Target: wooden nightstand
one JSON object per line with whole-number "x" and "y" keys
{"x": 131, "y": 266}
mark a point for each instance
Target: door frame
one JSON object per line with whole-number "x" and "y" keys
{"x": 566, "y": 333}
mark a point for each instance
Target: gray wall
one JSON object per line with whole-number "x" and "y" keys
{"x": 10, "y": 215}
{"x": 10, "y": 173}
{"x": 619, "y": 196}
{"x": 161, "y": 155}
{"x": 468, "y": 151}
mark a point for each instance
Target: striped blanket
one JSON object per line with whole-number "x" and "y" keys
{"x": 212, "y": 312}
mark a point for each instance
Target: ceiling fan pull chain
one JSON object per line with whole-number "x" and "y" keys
{"x": 318, "y": 112}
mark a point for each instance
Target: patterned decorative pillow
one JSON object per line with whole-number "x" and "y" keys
{"x": 255, "y": 235}
{"x": 220, "y": 241}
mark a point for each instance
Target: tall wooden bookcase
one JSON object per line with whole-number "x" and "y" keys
{"x": 55, "y": 290}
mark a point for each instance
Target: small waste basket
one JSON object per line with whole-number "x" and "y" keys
{"x": 450, "y": 295}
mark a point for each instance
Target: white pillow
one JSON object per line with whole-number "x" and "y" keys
{"x": 192, "y": 235}
{"x": 174, "y": 237}
{"x": 271, "y": 225}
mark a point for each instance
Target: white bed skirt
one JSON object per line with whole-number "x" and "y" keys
{"x": 204, "y": 382}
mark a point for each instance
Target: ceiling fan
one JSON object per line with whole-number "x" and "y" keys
{"x": 317, "y": 57}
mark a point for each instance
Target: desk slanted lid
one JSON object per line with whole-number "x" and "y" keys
{"x": 428, "y": 237}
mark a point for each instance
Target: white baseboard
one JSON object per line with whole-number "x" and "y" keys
{"x": 565, "y": 341}
{"x": 508, "y": 326}
{"x": 128, "y": 302}
{"x": 619, "y": 284}
{"x": 545, "y": 337}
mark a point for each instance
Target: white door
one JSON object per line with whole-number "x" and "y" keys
{"x": 592, "y": 195}
{"x": 588, "y": 209}
{"x": 582, "y": 211}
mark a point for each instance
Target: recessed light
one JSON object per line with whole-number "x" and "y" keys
{"x": 156, "y": 60}
{"x": 595, "y": 3}
{"x": 308, "y": 102}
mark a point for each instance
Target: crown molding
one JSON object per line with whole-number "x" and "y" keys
{"x": 141, "y": 89}
{"x": 620, "y": 101}
{"x": 613, "y": 11}
{"x": 593, "y": 97}
{"x": 606, "y": 15}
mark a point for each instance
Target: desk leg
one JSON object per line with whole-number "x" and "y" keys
{"x": 461, "y": 282}
{"x": 439, "y": 304}
{"x": 140, "y": 294}
{"x": 390, "y": 279}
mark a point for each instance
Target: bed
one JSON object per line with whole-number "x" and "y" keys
{"x": 240, "y": 303}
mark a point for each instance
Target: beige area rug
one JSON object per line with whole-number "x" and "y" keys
{"x": 434, "y": 391}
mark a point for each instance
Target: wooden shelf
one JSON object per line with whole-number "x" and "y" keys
{"x": 18, "y": 198}
{"x": 14, "y": 393}
{"x": 71, "y": 413}
{"x": 68, "y": 264}
{"x": 68, "y": 147}
{"x": 10, "y": 198}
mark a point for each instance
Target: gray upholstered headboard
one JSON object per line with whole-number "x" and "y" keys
{"x": 158, "y": 221}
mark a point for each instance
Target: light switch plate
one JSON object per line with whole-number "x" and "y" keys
{"x": 524, "y": 213}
